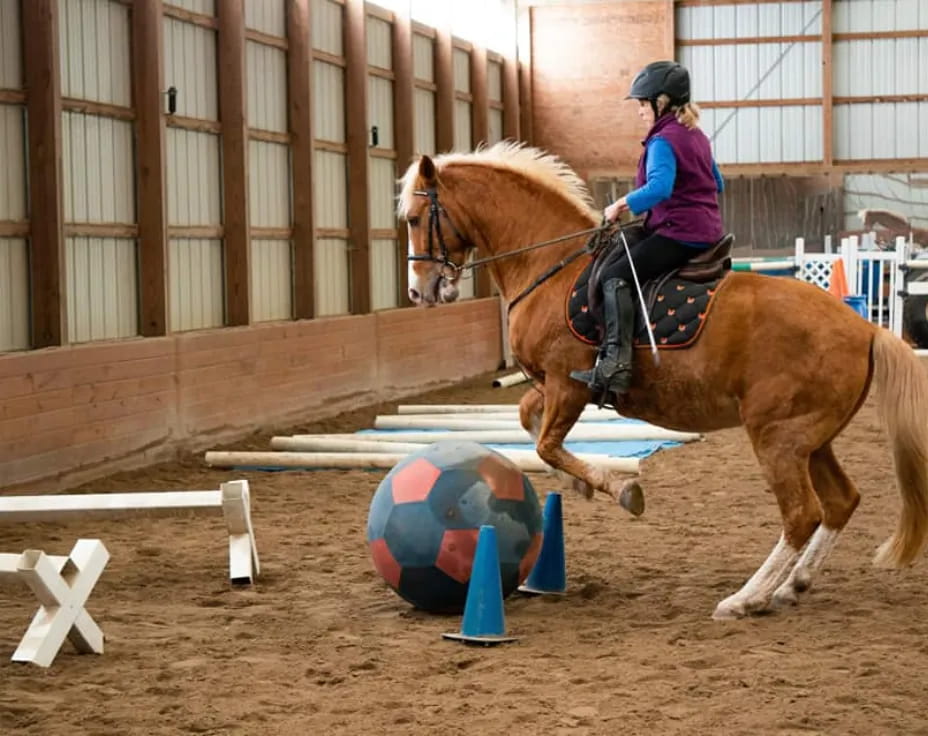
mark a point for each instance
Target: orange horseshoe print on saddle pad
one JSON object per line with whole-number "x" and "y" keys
{"x": 678, "y": 309}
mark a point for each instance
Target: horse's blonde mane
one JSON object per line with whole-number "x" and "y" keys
{"x": 540, "y": 166}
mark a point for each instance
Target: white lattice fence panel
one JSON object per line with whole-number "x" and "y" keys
{"x": 816, "y": 271}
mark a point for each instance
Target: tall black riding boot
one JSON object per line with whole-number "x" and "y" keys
{"x": 613, "y": 368}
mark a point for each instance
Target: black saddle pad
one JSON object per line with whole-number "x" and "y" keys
{"x": 677, "y": 310}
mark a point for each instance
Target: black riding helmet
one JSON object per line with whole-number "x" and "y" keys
{"x": 661, "y": 77}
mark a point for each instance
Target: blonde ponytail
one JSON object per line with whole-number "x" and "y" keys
{"x": 687, "y": 114}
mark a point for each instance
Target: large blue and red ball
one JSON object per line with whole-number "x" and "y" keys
{"x": 426, "y": 514}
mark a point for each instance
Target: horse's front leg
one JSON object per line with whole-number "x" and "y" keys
{"x": 560, "y": 408}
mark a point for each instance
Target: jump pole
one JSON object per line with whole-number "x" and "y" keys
{"x": 526, "y": 460}
{"x": 580, "y": 433}
{"x": 585, "y": 431}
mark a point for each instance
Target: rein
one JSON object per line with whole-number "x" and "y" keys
{"x": 436, "y": 210}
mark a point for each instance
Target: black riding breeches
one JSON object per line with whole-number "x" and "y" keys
{"x": 653, "y": 256}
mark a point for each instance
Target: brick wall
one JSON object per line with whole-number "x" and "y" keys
{"x": 70, "y": 414}
{"x": 584, "y": 57}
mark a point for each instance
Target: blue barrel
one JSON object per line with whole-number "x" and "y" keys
{"x": 858, "y": 304}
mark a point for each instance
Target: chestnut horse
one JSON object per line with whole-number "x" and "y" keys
{"x": 783, "y": 358}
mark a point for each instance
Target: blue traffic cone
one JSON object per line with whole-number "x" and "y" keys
{"x": 549, "y": 575}
{"x": 484, "y": 621}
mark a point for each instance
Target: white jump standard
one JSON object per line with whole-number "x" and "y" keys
{"x": 232, "y": 500}
{"x": 62, "y": 586}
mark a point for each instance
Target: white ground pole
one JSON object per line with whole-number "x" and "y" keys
{"x": 525, "y": 460}
{"x": 511, "y": 379}
{"x": 589, "y": 409}
{"x": 62, "y": 586}
{"x": 232, "y": 501}
{"x": 580, "y": 431}
{"x": 492, "y": 436}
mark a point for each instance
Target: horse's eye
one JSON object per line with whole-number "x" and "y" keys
{"x": 413, "y": 222}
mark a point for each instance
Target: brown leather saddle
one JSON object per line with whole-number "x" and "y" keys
{"x": 707, "y": 265}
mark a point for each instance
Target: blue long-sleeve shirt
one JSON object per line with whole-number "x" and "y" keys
{"x": 660, "y": 174}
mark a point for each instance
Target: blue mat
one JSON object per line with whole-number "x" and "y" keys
{"x": 612, "y": 448}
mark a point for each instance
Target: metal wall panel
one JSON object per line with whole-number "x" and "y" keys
{"x": 271, "y": 280}
{"x": 97, "y": 169}
{"x": 881, "y": 130}
{"x": 267, "y": 16}
{"x": 382, "y": 193}
{"x": 193, "y": 178}
{"x": 380, "y": 109}
{"x": 379, "y": 43}
{"x": 496, "y": 126}
{"x": 204, "y": 7}
{"x": 424, "y": 124}
{"x": 11, "y": 61}
{"x": 384, "y": 276}
{"x": 893, "y": 66}
{"x": 331, "y": 276}
{"x": 195, "y": 283}
{"x": 94, "y": 42}
{"x": 754, "y": 71}
{"x": 852, "y": 16}
{"x": 102, "y": 288}
{"x": 329, "y": 102}
{"x": 423, "y": 54}
{"x": 905, "y": 193}
{"x": 190, "y": 67}
{"x": 328, "y": 27}
{"x": 751, "y": 20}
{"x": 266, "y": 74}
{"x": 14, "y": 294}
{"x": 462, "y": 126}
{"x": 494, "y": 81}
{"x": 13, "y": 167}
{"x": 461, "y": 71}
{"x": 764, "y": 134}
{"x": 269, "y": 184}
{"x": 330, "y": 194}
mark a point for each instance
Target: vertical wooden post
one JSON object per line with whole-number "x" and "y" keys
{"x": 511, "y": 98}
{"x": 444, "y": 96}
{"x": 480, "y": 132}
{"x": 300, "y": 115}
{"x": 356, "y": 132}
{"x": 234, "y": 158}
{"x": 147, "y": 86}
{"x": 403, "y": 127}
{"x": 480, "y": 104}
{"x": 43, "y": 107}
{"x": 525, "y": 73}
{"x": 828, "y": 153}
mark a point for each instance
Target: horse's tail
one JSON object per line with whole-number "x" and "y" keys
{"x": 902, "y": 385}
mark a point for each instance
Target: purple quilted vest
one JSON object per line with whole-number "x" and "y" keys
{"x": 691, "y": 213}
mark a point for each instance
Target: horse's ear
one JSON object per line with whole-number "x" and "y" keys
{"x": 427, "y": 171}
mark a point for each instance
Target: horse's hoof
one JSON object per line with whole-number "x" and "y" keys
{"x": 631, "y": 498}
{"x": 784, "y": 597}
{"x": 729, "y": 610}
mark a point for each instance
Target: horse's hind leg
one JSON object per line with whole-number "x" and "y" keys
{"x": 562, "y": 405}
{"x": 838, "y": 498}
{"x": 786, "y": 468}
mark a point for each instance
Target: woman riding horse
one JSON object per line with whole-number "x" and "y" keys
{"x": 678, "y": 183}
{"x": 783, "y": 358}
